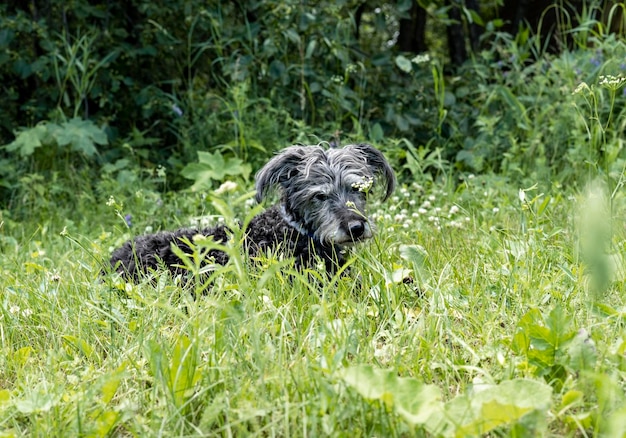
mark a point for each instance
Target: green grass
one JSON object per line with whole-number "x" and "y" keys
{"x": 503, "y": 291}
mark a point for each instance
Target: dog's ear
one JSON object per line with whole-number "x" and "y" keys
{"x": 379, "y": 166}
{"x": 278, "y": 170}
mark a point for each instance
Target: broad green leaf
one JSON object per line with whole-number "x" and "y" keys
{"x": 5, "y": 395}
{"x": 183, "y": 370}
{"x": 28, "y": 140}
{"x": 276, "y": 69}
{"x": 104, "y": 424}
{"x": 214, "y": 167}
{"x": 22, "y": 355}
{"x": 521, "y": 339}
{"x": 109, "y": 388}
{"x": 415, "y": 401}
{"x": 571, "y": 398}
{"x": 559, "y": 324}
{"x": 310, "y": 48}
{"x": 376, "y": 133}
{"x": 616, "y": 423}
{"x": 496, "y": 406}
{"x": 416, "y": 255}
{"x": 202, "y": 174}
{"x": 36, "y": 401}
{"x": 80, "y": 345}
{"x": 581, "y": 352}
{"x": 81, "y": 135}
{"x": 544, "y": 340}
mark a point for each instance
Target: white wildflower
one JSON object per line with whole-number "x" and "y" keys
{"x": 581, "y": 87}
{"x": 160, "y": 171}
{"x": 611, "y": 82}
{"x": 227, "y": 186}
{"x": 365, "y": 185}
{"x": 421, "y": 59}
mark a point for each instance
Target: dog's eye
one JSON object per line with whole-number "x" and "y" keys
{"x": 321, "y": 197}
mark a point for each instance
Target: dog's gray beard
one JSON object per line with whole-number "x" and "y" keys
{"x": 331, "y": 231}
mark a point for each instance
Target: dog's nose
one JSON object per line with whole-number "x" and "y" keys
{"x": 357, "y": 228}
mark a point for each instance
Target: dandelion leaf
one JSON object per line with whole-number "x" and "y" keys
{"x": 415, "y": 401}
{"x": 498, "y": 405}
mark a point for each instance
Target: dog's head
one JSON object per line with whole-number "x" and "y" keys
{"x": 324, "y": 191}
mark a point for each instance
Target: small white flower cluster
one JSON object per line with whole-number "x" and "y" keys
{"x": 161, "y": 172}
{"x": 421, "y": 59}
{"x": 581, "y": 87}
{"x": 458, "y": 222}
{"x": 612, "y": 82}
{"x": 427, "y": 210}
{"x": 15, "y": 310}
{"x": 352, "y": 68}
{"x": 200, "y": 222}
{"x": 350, "y": 204}
{"x": 365, "y": 185}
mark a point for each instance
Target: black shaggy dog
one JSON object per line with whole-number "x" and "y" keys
{"x": 322, "y": 208}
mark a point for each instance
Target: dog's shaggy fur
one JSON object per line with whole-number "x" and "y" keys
{"x": 322, "y": 208}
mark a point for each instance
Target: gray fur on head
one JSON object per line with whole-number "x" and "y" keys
{"x": 324, "y": 191}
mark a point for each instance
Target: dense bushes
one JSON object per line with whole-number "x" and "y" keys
{"x": 121, "y": 88}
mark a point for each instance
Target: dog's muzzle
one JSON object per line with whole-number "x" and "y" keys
{"x": 353, "y": 231}
{"x": 356, "y": 229}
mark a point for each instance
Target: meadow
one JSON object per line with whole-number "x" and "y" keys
{"x": 491, "y": 301}
{"x": 512, "y": 324}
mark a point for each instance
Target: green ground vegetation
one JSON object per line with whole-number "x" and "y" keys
{"x": 491, "y": 301}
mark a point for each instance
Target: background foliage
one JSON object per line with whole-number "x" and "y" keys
{"x": 118, "y": 89}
